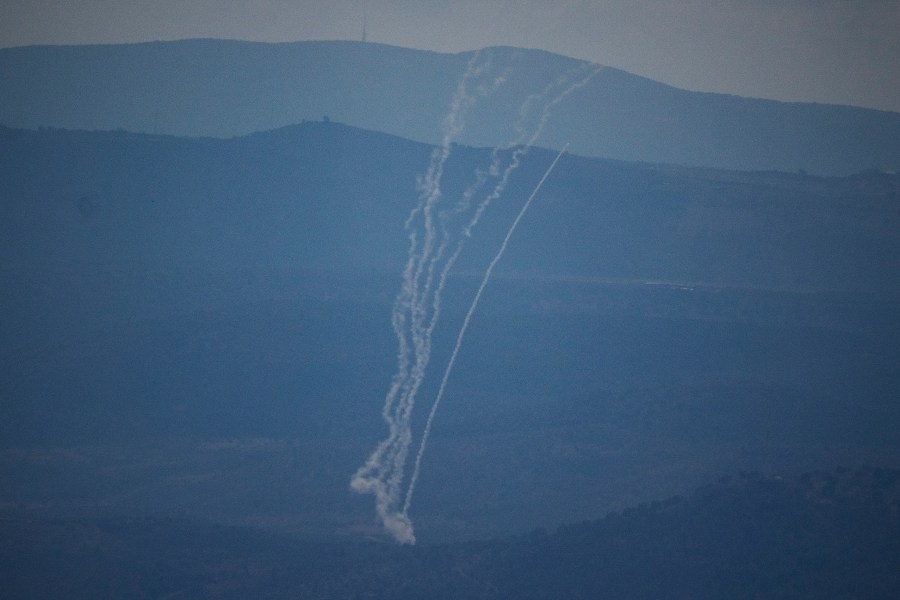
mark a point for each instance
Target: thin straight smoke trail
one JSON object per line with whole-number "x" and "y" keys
{"x": 462, "y": 332}
{"x": 519, "y": 152}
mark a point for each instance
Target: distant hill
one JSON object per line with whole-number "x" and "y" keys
{"x": 225, "y": 88}
{"x": 823, "y": 535}
{"x": 333, "y": 197}
{"x": 201, "y": 327}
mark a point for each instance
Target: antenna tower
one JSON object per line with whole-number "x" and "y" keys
{"x": 365, "y": 18}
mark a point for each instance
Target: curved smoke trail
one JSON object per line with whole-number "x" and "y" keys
{"x": 424, "y": 277}
{"x": 382, "y": 472}
{"x": 465, "y": 326}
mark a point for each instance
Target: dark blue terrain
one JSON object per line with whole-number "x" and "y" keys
{"x": 196, "y": 339}
{"x": 224, "y": 305}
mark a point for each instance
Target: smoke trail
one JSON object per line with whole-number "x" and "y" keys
{"x": 382, "y": 472}
{"x": 462, "y": 332}
{"x": 517, "y": 155}
{"x": 421, "y": 334}
{"x": 481, "y": 176}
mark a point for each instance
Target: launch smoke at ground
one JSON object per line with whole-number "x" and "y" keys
{"x": 434, "y": 227}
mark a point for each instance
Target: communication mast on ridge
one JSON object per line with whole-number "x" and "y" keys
{"x": 365, "y": 18}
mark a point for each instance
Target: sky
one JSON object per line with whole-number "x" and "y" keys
{"x": 830, "y": 51}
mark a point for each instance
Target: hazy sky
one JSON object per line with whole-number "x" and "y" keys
{"x": 836, "y": 51}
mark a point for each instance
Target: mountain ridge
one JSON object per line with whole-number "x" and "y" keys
{"x": 367, "y": 181}
{"x": 225, "y": 88}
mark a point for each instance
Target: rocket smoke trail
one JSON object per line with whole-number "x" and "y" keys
{"x": 382, "y": 473}
{"x": 465, "y": 326}
{"x": 418, "y": 303}
{"x": 517, "y": 155}
{"x": 423, "y": 334}
{"x": 498, "y": 190}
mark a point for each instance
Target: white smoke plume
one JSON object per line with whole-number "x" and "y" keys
{"x": 418, "y": 303}
{"x": 498, "y": 190}
{"x": 382, "y": 473}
